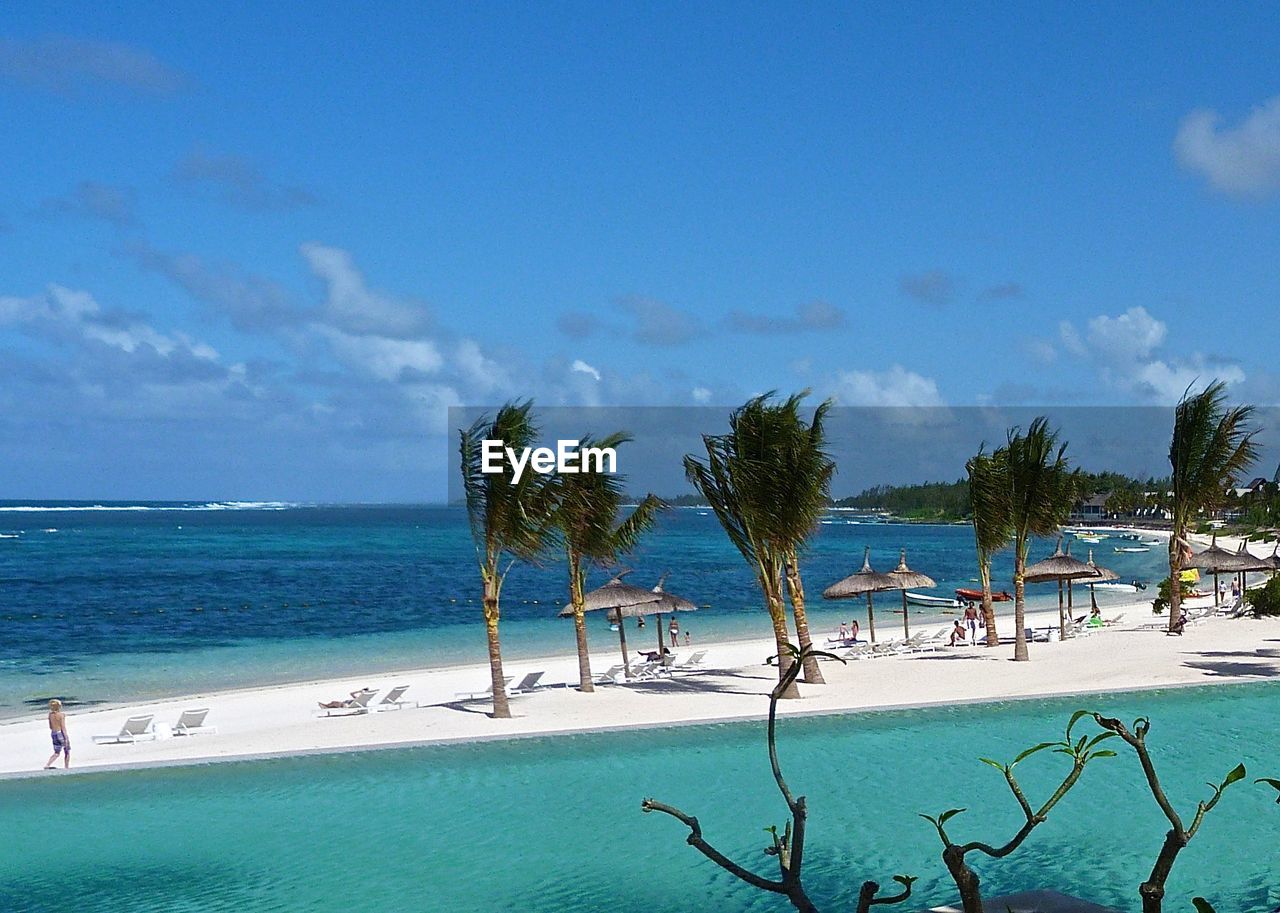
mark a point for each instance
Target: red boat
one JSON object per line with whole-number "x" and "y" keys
{"x": 976, "y": 596}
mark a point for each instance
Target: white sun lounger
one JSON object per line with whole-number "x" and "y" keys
{"x": 192, "y": 723}
{"x": 527, "y": 684}
{"x": 692, "y": 664}
{"x": 394, "y": 699}
{"x": 610, "y": 676}
{"x": 352, "y": 706}
{"x": 135, "y": 729}
{"x": 480, "y": 695}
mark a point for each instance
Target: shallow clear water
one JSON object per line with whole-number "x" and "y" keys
{"x": 113, "y": 605}
{"x": 551, "y": 825}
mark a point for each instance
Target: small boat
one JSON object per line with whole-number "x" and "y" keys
{"x": 1133, "y": 548}
{"x": 941, "y": 602}
{"x": 1131, "y": 587}
{"x": 976, "y": 595}
{"x": 1092, "y": 540}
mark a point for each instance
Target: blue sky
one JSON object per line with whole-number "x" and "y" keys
{"x": 257, "y": 253}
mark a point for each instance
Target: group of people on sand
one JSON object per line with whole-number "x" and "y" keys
{"x": 965, "y": 629}
{"x": 849, "y": 632}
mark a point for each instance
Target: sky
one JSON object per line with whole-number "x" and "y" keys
{"x": 257, "y": 253}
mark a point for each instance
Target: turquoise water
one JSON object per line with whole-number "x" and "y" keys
{"x": 143, "y": 601}
{"x": 551, "y": 825}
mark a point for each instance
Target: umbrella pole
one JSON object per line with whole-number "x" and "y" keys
{"x": 1069, "y": 584}
{"x": 622, "y": 642}
{"x": 906, "y": 628}
{"x": 1215, "y": 587}
{"x": 871, "y": 619}
{"x": 1093, "y": 598}
{"x": 1061, "y": 617}
{"x": 660, "y": 635}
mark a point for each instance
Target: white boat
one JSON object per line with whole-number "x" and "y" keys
{"x": 1118, "y": 587}
{"x": 1133, "y": 548}
{"x": 937, "y": 602}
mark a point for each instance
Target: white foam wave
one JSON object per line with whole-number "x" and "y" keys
{"x": 208, "y": 506}
{"x": 9, "y": 536}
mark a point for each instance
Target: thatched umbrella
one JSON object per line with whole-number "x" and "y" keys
{"x": 864, "y": 581}
{"x": 906, "y": 579}
{"x": 615, "y": 595}
{"x": 1250, "y": 562}
{"x": 664, "y": 604}
{"x": 1059, "y": 566}
{"x": 1274, "y": 560}
{"x": 1216, "y": 560}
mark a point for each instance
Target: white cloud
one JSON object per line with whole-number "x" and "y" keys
{"x": 1041, "y": 350}
{"x": 353, "y": 307}
{"x": 68, "y": 313}
{"x": 1166, "y": 383}
{"x": 384, "y": 358}
{"x": 482, "y": 373}
{"x": 701, "y": 395}
{"x": 1243, "y": 160}
{"x": 1071, "y": 338}
{"x": 581, "y": 367}
{"x": 894, "y": 387}
{"x": 1133, "y": 334}
{"x": 1125, "y": 352}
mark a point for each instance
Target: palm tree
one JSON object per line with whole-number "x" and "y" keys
{"x": 508, "y": 520}
{"x": 805, "y": 474}
{"x": 588, "y": 504}
{"x": 767, "y": 480}
{"x": 1212, "y": 445}
{"x": 1041, "y": 489}
{"x": 992, "y": 523}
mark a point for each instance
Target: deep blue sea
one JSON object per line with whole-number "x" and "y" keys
{"x": 112, "y": 602}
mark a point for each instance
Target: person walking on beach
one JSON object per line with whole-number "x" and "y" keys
{"x": 58, "y": 732}
{"x": 674, "y": 630}
{"x": 971, "y": 621}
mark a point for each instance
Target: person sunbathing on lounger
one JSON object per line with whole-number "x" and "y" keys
{"x": 334, "y": 705}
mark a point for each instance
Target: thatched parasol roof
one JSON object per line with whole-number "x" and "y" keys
{"x": 1059, "y": 566}
{"x": 906, "y": 579}
{"x": 1218, "y": 560}
{"x": 1250, "y": 562}
{"x": 1103, "y": 573}
{"x": 1274, "y": 560}
{"x": 860, "y": 583}
{"x": 614, "y": 595}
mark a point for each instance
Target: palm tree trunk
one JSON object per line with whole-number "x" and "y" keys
{"x": 988, "y": 605}
{"x": 576, "y": 586}
{"x": 1175, "y": 579}
{"x": 795, "y": 587}
{"x": 770, "y": 578}
{"x": 1020, "y": 610}
{"x": 501, "y": 706}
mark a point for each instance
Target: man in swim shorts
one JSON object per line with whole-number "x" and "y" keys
{"x": 58, "y": 732}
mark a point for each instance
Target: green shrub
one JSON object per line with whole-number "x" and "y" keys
{"x": 1265, "y": 600}
{"x": 1162, "y": 599}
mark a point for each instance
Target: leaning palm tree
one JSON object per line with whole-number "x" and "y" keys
{"x": 587, "y": 509}
{"x": 1212, "y": 445}
{"x": 1041, "y": 489}
{"x": 766, "y": 513}
{"x": 992, "y": 523}
{"x": 509, "y": 520}
{"x": 804, "y": 473}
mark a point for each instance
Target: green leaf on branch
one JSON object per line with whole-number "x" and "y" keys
{"x": 1272, "y": 783}
{"x": 1032, "y": 750}
{"x": 949, "y": 814}
{"x": 1236, "y": 775}
{"x": 906, "y": 880}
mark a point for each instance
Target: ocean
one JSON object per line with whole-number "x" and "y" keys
{"x": 112, "y": 602}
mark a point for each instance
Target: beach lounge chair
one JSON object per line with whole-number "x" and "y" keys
{"x": 1108, "y": 622}
{"x": 191, "y": 722}
{"x": 646, "y": 671}
{"x": 858, "y": 651}
{"x": 610, "y": 675}
{"x": 480, "y": 695}
{"x": 394, "y": 699}
{"x": 692, "y": 664}
{"x": 527, "y": 684}
{"x": 135, "y": 729}
{"x": 352, "y": 706}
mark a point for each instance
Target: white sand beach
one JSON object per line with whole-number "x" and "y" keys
{"x": 282, "y": 720}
